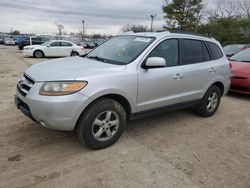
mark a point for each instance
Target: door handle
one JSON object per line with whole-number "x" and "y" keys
{"x": 212, "y": 70}
{"x": 178, "y": 76}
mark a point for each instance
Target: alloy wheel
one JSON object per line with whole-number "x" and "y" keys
{"x": 105, "y": 125}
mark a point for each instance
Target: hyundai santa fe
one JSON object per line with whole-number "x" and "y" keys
{"x": 127, "y": 77}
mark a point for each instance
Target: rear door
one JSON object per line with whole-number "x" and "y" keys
{"x": 159, "y": 87}
{"x": 197, "y": 68}
{"x": 66, "y": 48}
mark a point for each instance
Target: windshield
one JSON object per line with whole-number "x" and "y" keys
{"x": 45, "y": 43}
{"x": 122, "y": 50}
{"x": 243, "y": 56}
{"x": 233, "y": 48}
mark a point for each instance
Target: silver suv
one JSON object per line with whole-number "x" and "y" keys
{"x": 127, "y": 77}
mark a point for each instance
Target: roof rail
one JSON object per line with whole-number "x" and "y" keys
{"x": 190, "y": 33}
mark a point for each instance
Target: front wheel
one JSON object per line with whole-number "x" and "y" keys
{"x": 102, "y": 124}
{"x": 38, "y": 54}
{"x": 210, "y": 102}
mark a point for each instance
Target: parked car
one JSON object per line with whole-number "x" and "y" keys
{"x": 233, "y": 49}
{"x": 1, "y": 39}
{"x": 90, "y": 45}
{"x": 127, "y": 77}
{"x": 240, "y": 65}
{"x": 9, "y": 41}
{"x": 53, "y": 48}
{"x": 83, "y": 44}
{"x": 33, "y": 40}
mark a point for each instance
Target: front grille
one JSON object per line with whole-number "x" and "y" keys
{"x": 25, "y": 84}
{"x": 240, "y": 88}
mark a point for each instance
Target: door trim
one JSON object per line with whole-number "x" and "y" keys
{"x": 160, "y": 110}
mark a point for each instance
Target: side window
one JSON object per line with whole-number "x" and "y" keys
{"x": 168, "y": 50}
{"x": 55, "y": 44}
{"x": 193, "y": 51}
{"x": 215, "y": 50}
{"x": 66, "y": 44}
{"x": 206, "y": 56}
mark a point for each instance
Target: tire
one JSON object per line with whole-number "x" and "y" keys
{"x": 102, "y": 124}
{"x": 38, "y": 54}
{"x": 210, "y": 102}
{"x": 73, "y": 53}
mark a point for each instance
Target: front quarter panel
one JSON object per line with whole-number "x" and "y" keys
{"x": 123, "y": 83}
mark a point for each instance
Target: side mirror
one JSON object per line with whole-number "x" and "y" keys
{"x": 155, "y": 62}
{"x": 48, "y": 45}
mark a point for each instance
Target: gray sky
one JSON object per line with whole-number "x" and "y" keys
{"x": 101, "y": 16}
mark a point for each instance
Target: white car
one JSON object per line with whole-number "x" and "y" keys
{"x": 53, "y": 48}
{"x": 9, "y": 41}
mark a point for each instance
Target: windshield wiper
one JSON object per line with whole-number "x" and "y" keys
{"x": 99, "y": 59}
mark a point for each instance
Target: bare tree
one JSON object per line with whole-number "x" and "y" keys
{"x": 226, "y": 9}
{"x": 244, "y": 6}
{"x": 60, "y": 28}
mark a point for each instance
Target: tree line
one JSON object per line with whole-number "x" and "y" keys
{"x": 228, "y": 20}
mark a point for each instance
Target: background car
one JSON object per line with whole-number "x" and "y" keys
{"x": 1, "y": 39}
{"x": 90, "y": 44}
{"x": 53, "y": 48}
{"x": 33, "y": 40}
{"x": 83, "y": 44}
{"x": 9, "y": 41}
{"x": 240, "y": 65}
{"x": 233, "y": 49}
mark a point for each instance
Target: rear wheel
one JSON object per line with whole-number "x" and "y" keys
{"x": 102, "y": 124}
{"x": 74, "y": 53}
{"x": 38, "y": 54}
{"x": 210, "y": 102}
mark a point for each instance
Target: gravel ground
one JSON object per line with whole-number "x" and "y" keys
{"x": 176, "y": 149}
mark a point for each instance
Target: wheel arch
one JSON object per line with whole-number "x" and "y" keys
{"x": 38, "y": 50}
{"x": 220, "y": 85}
{"x": 116, "y": 97}
{"x": 74, "y": 51}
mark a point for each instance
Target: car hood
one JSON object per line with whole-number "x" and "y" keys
{"x": 32, "y": 46}
{"x": 240, "y": 67}
{"x": 229, "y": 53}
{"x": 70, "y": 68}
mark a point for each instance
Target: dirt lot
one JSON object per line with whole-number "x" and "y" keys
{"x": 177, "y": 149}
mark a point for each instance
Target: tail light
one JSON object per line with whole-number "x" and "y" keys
{"x": 82, "y": 48}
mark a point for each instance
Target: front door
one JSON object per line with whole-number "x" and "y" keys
{"x": 54, "y": 49}
{"x": 160, "y": 87}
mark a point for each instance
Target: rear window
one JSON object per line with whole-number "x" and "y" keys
{"x": 66, "y": 44}
{"x": 215, "y": 50}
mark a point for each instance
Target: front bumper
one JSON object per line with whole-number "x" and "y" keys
{"x": 27, "y": 52}
{"x": 54, "y": 112}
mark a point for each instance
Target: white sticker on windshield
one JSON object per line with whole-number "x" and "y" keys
{"x": 140, "y": 39}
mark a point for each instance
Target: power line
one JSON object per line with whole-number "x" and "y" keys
{"x": 64, "y": 12}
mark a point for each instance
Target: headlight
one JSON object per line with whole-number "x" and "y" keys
{"x": 61, "y": 88}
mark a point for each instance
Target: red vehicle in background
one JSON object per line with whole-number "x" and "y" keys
{"x": 240, "y": 65}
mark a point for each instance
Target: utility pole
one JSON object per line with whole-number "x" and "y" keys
{"x": 152, "y": 21}
{"x": 82, "y": 30}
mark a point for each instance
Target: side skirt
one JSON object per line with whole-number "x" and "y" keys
{"x": 164, "y": 109}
